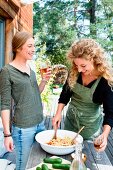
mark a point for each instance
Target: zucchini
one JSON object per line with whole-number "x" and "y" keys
{"x": 45, "y": 167}
{"x": 61, "y": 166}
{"x": 52, "y": 160}
{"x": 38, "y": 168}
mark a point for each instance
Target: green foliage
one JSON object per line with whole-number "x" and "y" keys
{"x": 52, "y": 27}
{"x": 57, "y": 23}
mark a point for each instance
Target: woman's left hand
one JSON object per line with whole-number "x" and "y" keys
{"x": 104, "y": 135}
{"x": 104, "y": 142}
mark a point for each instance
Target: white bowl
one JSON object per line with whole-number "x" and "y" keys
{"x": 45, "y": 136}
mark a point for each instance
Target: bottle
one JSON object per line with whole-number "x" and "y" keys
{"x": 77, "y": 163}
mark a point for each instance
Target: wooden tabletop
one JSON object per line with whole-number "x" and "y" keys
{"x": 37, "y": 154}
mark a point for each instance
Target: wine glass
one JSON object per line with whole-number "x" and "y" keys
{"x": 97, "y": 141}
{"x": 44, "y": 65}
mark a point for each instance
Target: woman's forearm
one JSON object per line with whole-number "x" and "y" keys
{"x": 106, "y": 130}
{"x": 5, "y": 115}
{"x": 42, "y": 85}
{"x": 57, "y": 118}
{"x": 60, "y": 108}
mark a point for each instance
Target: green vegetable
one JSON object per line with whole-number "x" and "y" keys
{"x": 38, "y": 168}
{"x": 53, "y": 160}
{"x": 61, "y": 166}
{"x": 45, "y": 167}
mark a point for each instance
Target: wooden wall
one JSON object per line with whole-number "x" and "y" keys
{"x": 17, "y": 17}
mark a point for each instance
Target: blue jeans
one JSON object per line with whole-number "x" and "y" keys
{"x": 23, "y": 140}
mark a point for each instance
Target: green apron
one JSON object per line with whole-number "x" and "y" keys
{"x": 83, "y": 112}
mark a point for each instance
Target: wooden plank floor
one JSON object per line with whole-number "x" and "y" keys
{"x": 48, "y": 124}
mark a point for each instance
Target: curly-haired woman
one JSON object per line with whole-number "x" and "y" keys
{"x": 88, "y": 86}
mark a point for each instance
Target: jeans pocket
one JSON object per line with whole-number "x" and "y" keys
{"x": 41, "y": 127}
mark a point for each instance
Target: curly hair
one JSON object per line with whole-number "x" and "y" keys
{"x": 89, "y": 49}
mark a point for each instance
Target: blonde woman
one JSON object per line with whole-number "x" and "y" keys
{"x": 89, "y": 85}
{"x": 18, "y": 81}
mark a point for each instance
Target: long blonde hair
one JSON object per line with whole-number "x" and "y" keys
{"x": 19, "y": 40}
{"x": 89, "y": 49}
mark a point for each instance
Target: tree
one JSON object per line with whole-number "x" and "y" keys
{"x": 57, "y": 23}
{"x": 54, "y": 28}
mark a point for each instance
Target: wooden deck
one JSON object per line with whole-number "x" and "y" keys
{"x": 48, "y": 124}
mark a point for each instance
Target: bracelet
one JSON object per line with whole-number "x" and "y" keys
{"x": 7, "y": 135}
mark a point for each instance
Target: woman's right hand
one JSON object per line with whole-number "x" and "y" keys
{"x": 8, "y": 142}
{"x": 56, "y": 121}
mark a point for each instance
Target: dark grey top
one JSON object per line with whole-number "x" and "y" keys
{"x": 25, "y": 92}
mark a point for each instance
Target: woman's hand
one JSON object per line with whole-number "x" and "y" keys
{"x": 56, "y": 121}
{"x": 104, "y": 135}
{"x": 58, "y": 116}
{"x": 104, "y": 142}
{"x": 45, "y": 77}
{"x": 8, "y": 142}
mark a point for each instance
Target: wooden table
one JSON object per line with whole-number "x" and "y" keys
{"x": 37, "y": 154}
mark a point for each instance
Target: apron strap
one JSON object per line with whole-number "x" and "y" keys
{"x": 95, "y": 85}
